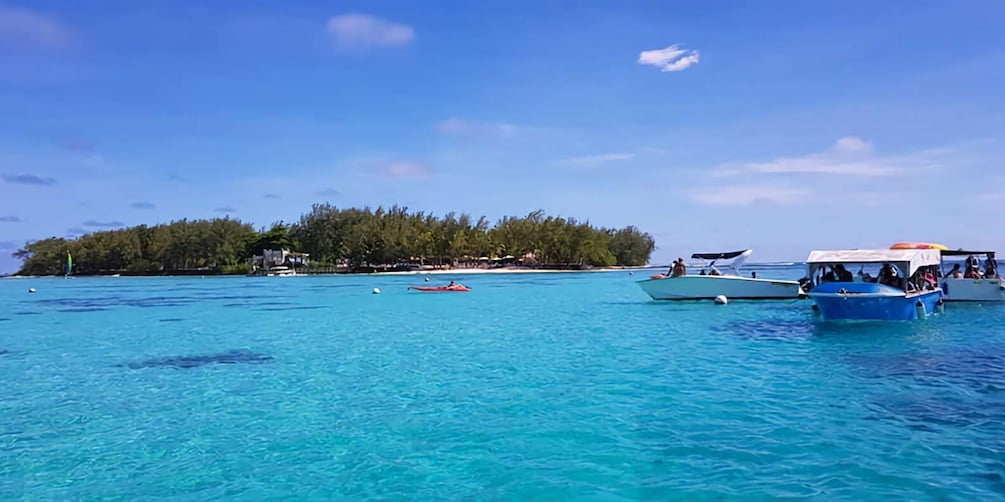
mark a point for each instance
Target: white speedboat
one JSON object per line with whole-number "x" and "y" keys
{"x": 280, "y": 272}
{"x": 711, "y": 283}
{"x": 987, "y": 287}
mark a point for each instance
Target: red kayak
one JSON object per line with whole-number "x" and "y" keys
{"x": 457, "y": 288}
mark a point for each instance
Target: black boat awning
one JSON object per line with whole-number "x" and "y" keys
{"x": 718, "y": 256}
{"x": 961, "y": 252}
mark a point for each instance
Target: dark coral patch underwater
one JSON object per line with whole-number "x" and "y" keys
{"x": 186, "y": 362}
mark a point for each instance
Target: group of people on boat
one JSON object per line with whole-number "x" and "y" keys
{"x": 837, "y": 273}
{"x": 973, "y": 269}
{"x": 924, "y": 279}
{"x": 678, "y": 269}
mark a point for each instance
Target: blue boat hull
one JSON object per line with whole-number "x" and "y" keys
{"x": 858, "y": 301}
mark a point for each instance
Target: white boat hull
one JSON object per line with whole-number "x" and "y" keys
{"x": 707, "y": 287}
{"x": 973, "y": 290}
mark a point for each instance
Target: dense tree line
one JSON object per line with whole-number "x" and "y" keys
{"x": 217, "y": 246}
{"x": 354, "y": 238}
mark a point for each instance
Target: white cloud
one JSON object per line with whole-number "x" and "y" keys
{"x": 654, "y": 150}
{"x": 672, "y": 58}
{"x": 596, "y": 160}
{"x": 455, "y": 126}
{"x": 399, "y": 169}
{"x": 463, "y": 127}
{"x": 361, "y": 30}
{"x": 848, "y": 156}
{"x": 992, "y": 197}
{"x": 748, "y": 194}
{"x": 20, "y": 26}
{"x": 852, "y": 145}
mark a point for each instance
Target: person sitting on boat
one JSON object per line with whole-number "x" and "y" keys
{"x": 888, "y": 275}
{"x": 829, "y": 276}
{"x": 702, "y": 272}
{"x": 956, "y": 273}
{"x": 929, "y": 279}
{"x": 713, "y": 271}
{"x": 972, "y": 272}
{"x": 866, "y": 276}
{"x": 990, "y": 268}
{"x": 843, "y": 275}
{"x": 973, "y": 262}
{"x": 753, "y": 275}
{"x": 679, "y": 269}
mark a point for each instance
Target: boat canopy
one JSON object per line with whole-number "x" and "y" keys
{"x": 720, "y": 256}
{"x": 914, "y": 258}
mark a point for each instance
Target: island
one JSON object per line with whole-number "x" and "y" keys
{"x": 328, "y": 239}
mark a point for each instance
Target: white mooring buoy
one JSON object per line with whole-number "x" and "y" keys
{"x": 31, "y": 290}
{"x": 376, "y": 291}
{"x": 721, "y": 300}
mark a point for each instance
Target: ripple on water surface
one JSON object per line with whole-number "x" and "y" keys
{"x": 550, "y": 386}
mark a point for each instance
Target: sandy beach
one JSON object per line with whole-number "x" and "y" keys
{"x": 513, "y": 270}
{"x": 442, "y": 271}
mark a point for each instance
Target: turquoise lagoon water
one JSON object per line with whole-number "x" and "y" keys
{"x": 531, "y": 387}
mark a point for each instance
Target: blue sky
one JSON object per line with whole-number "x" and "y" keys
{"x": 781, "y": 126}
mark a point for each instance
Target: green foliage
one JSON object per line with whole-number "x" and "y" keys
{"x": 278, "y": 237}
{"x": 238, "y": 269}
{"x": 365, "y": 237}
{"x": 631, "y": 247}
{"x": 356, "y": 237}
{"x": 209, "y": 245}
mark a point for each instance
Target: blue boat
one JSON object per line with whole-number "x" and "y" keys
{"x": 905, "y": 287}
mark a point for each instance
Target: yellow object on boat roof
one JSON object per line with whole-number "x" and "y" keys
{"x": 918, "y": 245}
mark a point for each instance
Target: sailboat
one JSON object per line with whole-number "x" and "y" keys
{"x": 69, "y": 265}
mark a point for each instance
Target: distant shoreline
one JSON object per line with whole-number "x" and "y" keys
{"x": 439, "y": 271}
